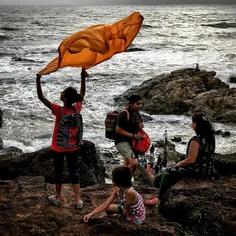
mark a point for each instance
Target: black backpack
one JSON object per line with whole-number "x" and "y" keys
{"x": 110, "y": 123}
{"x": 70, "y": 130}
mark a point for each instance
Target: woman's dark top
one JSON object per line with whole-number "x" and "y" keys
{"x": 129, "y": 123}
{"x": 204, "y": 164}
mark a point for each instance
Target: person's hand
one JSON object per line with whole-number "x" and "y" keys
{"x": 141, "y": 125}
{"x": 115, "y": 190}
{"x": 38, "y": 77}
{"x": 87, "y": 217}
{"x": 84, "y": 74}
{"x": 138, "y": 136}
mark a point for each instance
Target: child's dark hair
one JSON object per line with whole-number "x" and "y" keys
{"x": 134, "y": 98}
{"x": 72, "y": 96}
{"x": 122, "y": 176}
{"x": 204, "y": 128}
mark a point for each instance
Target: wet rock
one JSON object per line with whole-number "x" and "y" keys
{"x": 40, "y": 163}
{"x": 176, "y": 139}
{"x": 202, "y": 207}
{"x": 226, "y": 134}
{"x": 24, "y": 210}
{"x": 226, "y": 164}
{"x": 11, "y": 152}
{"x": 1, "y": 144}
{"x": 184, "y": 91}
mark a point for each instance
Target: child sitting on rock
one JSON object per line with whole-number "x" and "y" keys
{"x": 130, "y": 202}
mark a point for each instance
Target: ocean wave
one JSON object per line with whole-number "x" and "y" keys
{"x": 4, "y": 37}
{"x": 4, "y": 54}
{"x": 8, "y": 28}
{"x": 222, "y": 25}
{"x": 147, "y": 26}
{"x": 54, "y": 50}
{"x": 227, "y": 35}
{"x": 22, "y": 59}
{"x": 231, "y": 55}
{"x": 39, "y": 23}
{"x": 135, "y": 49}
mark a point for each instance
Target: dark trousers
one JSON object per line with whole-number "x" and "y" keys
{"x": 72, "y": 159}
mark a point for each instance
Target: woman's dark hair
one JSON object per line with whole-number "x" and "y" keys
{"x": 122, "y": 176}
{"x": 1, "y": 120}
{"x": 134, "y": 98}
{"x": 204, "y": 128}
{"x": 72, "y": 96}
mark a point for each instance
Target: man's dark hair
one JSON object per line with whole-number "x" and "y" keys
{"x": 134, "y": 98}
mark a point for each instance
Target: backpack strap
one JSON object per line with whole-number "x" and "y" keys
{"x": 127, "y": 113}
{"x": 76, "y": 108}
{"x": 62, "y": 111}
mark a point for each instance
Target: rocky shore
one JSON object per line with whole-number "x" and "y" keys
{"x": 191, "y": 207}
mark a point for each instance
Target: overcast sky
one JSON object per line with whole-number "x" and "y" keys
{"x": 105, "y": 2}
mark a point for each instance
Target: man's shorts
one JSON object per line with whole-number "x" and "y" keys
{"x": 125, "y": 150}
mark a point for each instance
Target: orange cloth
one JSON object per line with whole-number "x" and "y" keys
{"x": 95, "y": 44}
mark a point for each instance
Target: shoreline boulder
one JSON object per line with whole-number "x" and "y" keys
{"x": 184, "y": 91}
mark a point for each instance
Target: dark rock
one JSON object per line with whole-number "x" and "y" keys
{"x": 218, "y": 132}
{"x": 226, "y": 134}
{"x": 1, "y": 144}
{"x": 232, "y": 79}
{"x": 10, "y": 152}
{"x": 226, "y": 164}
{"x": 184, "y": 91}
{"x": 24, "y": 210}
{"x": 202, "y": 207}
{"x": 176, "y": 139}
{"x": 40, "y": 163}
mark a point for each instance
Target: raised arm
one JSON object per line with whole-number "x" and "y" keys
{"x": 84, "y": 74}
{"x": 40, "y": 93}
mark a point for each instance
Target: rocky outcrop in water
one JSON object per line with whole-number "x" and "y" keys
{"x": 183, "y": 91}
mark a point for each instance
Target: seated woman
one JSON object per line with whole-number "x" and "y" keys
{"x": 197, "y": 162}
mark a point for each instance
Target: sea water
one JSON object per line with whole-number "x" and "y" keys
{"x": 171, "y": 37}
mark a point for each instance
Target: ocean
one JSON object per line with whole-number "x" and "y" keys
{"x": 171, "y": 37}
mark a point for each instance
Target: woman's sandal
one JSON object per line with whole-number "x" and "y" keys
{"x": 53, "y": 200}
{"x": 153, "y": 202}
{"x": 79, "y": 205}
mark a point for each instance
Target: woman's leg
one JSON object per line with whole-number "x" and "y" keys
{"x": 130, "y": 160}
{"x": 133, "y": 163}
{"x": 58, "y": 162}
{"x": 167, "y": 180}
{"x": 72, "y": 162}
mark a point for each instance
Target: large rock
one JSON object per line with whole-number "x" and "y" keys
{"x": 24, "y": 210}
{"x": 184, "y": 91}
{"x": 201, "y": 207}
{"x": 40, "y": 163}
